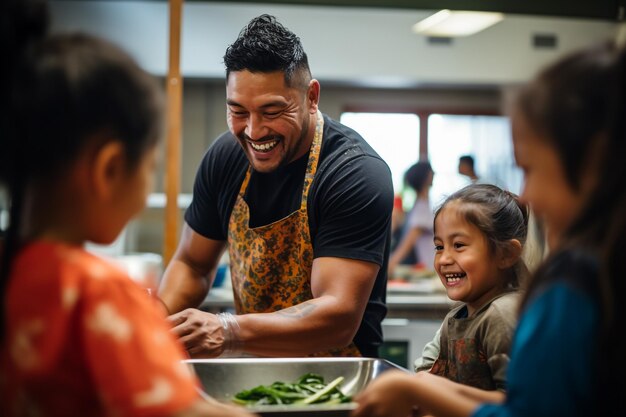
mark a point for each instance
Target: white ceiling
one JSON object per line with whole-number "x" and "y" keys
{"x": 348, "y": 45}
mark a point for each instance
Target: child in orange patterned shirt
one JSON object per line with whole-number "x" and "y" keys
{"x": 78, "y": 337}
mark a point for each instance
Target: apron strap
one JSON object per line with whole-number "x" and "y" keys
{"x": 314, "y": 156}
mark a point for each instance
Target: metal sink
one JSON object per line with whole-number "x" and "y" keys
{"x": 223, "y": 378}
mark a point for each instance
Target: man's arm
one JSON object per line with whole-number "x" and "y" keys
{"x": 191, "y": 271}
{"x": 341, "y": 289}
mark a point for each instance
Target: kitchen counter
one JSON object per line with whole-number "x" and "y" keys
{"x": 407, "y": 305}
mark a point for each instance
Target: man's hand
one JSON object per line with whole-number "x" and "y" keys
{"x": 201, "y": 333}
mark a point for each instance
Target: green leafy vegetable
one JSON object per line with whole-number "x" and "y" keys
{"x": 308, "y": 389}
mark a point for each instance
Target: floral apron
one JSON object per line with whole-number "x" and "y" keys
{"x": 271, "y": 265}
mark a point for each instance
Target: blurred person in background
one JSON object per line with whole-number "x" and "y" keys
{"x": 418, "y": 234}
{"x": 466, "y": 167}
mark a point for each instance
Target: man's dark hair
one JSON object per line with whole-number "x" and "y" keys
{"x": 265, "y": 45}
{"x": 467, "y": 159}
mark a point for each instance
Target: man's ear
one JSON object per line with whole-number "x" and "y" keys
{"x": 108, "y": 169}
{"x": 313, "y": 95}
{"x": 509, "y": 254}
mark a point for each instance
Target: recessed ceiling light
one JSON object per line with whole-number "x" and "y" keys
{"x": 448, "y": 23}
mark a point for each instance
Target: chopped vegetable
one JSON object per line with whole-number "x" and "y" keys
{"x": 308, "y": 389}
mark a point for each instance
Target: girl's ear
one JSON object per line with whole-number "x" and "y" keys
{"x": 108, "y": 169}
{"x": 509, "y": 254}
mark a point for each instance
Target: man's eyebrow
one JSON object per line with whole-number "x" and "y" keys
{"x": 233, "y": 103}
{"x": 276, "y": 103}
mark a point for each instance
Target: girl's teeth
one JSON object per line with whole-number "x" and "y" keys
{"x": 454, "y": 277}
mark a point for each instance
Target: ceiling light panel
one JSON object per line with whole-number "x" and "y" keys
{"x": 449, "y": 23}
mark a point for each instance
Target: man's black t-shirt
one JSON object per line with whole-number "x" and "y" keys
{"x": 349, "y": 205}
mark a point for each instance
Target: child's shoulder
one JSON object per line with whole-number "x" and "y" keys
{"x": 73, "y": 273}
{"x": 67, "y": 262}
{"x": 507, "y": 299}
{"x": 504, "y": 307}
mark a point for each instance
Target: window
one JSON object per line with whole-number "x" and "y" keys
{"x": 394, "y": 136}
{"x": 486, "y": 138}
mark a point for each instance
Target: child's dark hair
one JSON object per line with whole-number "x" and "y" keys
{"x": 22, "y": 22}
{"x": 72, "y": 90}
{"x": 265, "y": 45}
{"x": 417, "y": 174}
{"x": 578, "y": 105}
{"x": 499, "y": 215}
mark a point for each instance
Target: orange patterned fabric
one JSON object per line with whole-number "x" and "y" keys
{"x": 84, "y": 340}
{"x": 271, "y": 265}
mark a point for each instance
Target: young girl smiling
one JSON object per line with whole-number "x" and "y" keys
{"x": 479, "y": 235}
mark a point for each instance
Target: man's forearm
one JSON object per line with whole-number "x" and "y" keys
{"x": 182, "y": 287}
{"x": 310, "y": 327}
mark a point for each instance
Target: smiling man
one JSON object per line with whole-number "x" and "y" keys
{"x": 303, "y": 205}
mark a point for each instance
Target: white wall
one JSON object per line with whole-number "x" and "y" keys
{"x": 344, "y": 44}
{"x": 357, "y": 48}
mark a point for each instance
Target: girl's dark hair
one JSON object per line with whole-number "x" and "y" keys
{"x": 72, "y": 90}
{"x": 499, "y": 215}
{"x": 417, "y": 174}
{"x": 579, "y": 106}
{"x": 22, "y": 22}
{"x": 265, "y": 45}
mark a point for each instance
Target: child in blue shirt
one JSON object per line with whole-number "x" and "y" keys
{"x": 567, "y": 359}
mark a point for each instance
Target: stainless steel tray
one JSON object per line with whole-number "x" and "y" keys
{"x": 223, "y": 378}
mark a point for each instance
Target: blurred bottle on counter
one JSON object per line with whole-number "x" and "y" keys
{"x": 144, "y": 268}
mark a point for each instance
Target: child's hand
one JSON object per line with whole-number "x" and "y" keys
{"x": 387, "y": 395}
{"x": 213, "y": 408}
